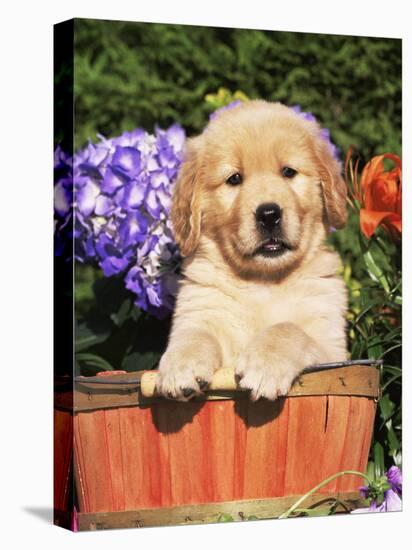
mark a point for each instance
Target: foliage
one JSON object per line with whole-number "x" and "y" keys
{"x": 110, "y": 332}
{"x": 381, "y": 493}
{"x": 224, "y": 97}
{"x": 140, "y": 74}
{"x": 375, "y": 314}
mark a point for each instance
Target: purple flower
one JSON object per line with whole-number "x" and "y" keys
{"x": 131, "y": 195}
{"x": 132, "y": 229}
{"x": 127, "y": 160}
{"x": 394, "y": 476}
{"x": 86, "y": 196}
{"x": 63, "y": 202}
{"x": 113, "y": 198}
{"x": 114, "y": 179}
{"x": 325, "y": 134}
{"x": 224, "y": 108}
{"x": 63, "y": 197}
{"x": 307, "y": 116}
{"x": 390, "y": 487}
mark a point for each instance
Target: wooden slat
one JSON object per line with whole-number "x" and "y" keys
{"x": 115, "y": 445}
{"x": 369, "y": 421}
{"x": 305, "y": 444}
{"x": 241, "y": 414}
{"x": 63, "y": 454}
{"x": 221, "y": 442}
{"x": 358, "y": 430}
{"x": 80, "y": 474}
{"x": 265, "y": 452}
{"x": 336, "y": 419}
{"x": 353, "y": 380}
{"x": 161, "y": 413}
{"x": 140, "y": 459}
{"x": 91, "y": 445}
{"x": 209, "y": 513}
{"x": 188, "y": 456}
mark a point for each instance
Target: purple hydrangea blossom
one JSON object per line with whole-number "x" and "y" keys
{"x": 63, "y": 201}
{"x": 392, "y": 498}
{"x": 114, "y": 198}
{"x": 325, "y": 134}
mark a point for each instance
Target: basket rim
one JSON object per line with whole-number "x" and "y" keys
{"x": 346, "y": 378}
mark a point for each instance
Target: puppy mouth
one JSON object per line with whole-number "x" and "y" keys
{"x": 273, "y": 248}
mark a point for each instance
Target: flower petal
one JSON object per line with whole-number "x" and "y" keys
{"x": 132, "y": 229}
{"x": 374, "y": 169}
{"x": 62, "y": 199}
{"x": 370, "y": 220}
{"x": 112, "y": 181}
{"x": 132, "y": 196}
{"x": 394, "y": 476}
{"x": 393, "y": 502}
{"x": 86, "y": 198}
{"x": 176, "y": 136}
{"x": 127, "y": 159}
{"x": 104, "y": 206}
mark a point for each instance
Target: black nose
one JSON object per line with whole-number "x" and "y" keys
{"x": 268, "y": 216}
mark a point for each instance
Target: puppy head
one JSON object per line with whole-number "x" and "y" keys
{"x": 262, "y": 183}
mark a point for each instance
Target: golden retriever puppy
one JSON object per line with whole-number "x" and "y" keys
{"x": 254, "y": 199}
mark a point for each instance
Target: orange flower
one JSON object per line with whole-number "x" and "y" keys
{"x": 379, "y": 194}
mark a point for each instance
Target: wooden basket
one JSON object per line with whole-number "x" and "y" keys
{"x": 149, "y": 461}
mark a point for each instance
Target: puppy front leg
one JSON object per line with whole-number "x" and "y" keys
{"x": 270, "y": 363}
{"x": 188, "y": 364}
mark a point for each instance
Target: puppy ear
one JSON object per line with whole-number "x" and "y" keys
{"x": 333, "y": 186}
{"x": 185, "y": 211}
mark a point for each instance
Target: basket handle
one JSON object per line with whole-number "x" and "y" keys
{"x": 223, "y": 379}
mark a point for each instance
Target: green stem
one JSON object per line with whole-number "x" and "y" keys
{"x": 319, "y": 486}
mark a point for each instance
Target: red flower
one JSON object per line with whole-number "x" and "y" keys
{"x": 379, "y": 194}
{"x": 382, "y": 193}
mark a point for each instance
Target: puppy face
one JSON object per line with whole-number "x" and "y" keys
{"x": 261, "y": 183}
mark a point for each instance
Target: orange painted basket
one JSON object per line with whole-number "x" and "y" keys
{"x": 149, "y": 461}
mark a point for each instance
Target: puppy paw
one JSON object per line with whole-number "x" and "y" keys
{"x": 181, "y": 377}
{"x": 265, "y": 374}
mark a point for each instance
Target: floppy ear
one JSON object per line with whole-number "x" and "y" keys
{"x": 185, "y": 212}
{"x": 333, "y": 186}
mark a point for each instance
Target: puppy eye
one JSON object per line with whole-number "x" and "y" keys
{"x": 288, "y": 172}
{"x": 235, "y": 179}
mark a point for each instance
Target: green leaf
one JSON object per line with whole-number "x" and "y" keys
{"x": 398, "y": 300}
{"x": 225, "y": 518}
{"x": 94, "y": 360}
{"x": 123, "y": 312}
{"x": 391, "y": 380}
{"x": 140, "y": 360}
{"x": 371, "y": 470}
{"x": 313, "y": 512}
{"x": 90, "y": 333}
{"x": 393, "y": 440}
{"x": 378, "y": 455}
{"x": 375, "y": 271}
{"x": 386, "y": 406}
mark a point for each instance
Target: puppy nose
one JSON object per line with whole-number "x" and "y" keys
{"x": 268, "y": 215}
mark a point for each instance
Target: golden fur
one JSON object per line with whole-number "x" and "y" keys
{"x": 268, "y": 317}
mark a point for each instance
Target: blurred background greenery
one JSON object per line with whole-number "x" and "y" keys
{"x": 140, "y": 74}
{"x": 129, "y": 75}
